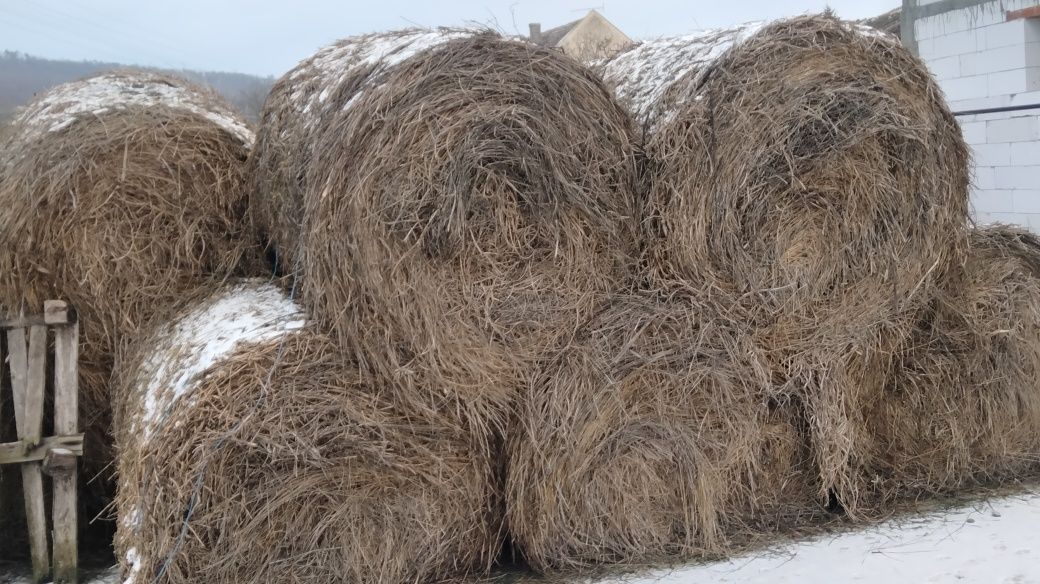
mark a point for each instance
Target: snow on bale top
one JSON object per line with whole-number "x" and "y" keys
{"x": 295, "y": 465}
{"x": 250, "y": 312}
{"x": 643, "y": 74}
{"x": 649, "y": 78}
{"x": 101, "y": 94}
{"x": 300, "y": 105}
{"x": 319, "y": 75}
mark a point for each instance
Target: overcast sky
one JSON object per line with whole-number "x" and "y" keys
{"x": 267, "y": 37}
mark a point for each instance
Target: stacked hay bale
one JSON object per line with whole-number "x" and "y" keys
{"x": 121, "y": 194}
{"x": 252, "y": 451}
{"x": 465, "y": 204}
{"x": 828, "y": 200}
{"x": 963, "y": 405}
{"x": 657, "y": 433}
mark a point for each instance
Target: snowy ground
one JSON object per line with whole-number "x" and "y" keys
{"x": 996, "y": 541}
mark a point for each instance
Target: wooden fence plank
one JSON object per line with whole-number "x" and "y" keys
{"x": 37, "y": 385}
{"x": 66, "y": 395}
{"x": 19, "y": 452}
{"x": 17, "y": 361}
{"x": 28, "y": 375}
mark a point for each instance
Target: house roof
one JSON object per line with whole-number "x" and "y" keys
{"x": 553, "y": 36}
{"x": 888, "y": 22}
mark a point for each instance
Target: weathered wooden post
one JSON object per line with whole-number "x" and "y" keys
{"x": 55, "y": 455}
{"x": 61, "y": 462}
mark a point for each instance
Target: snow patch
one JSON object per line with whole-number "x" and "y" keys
{"x": 990, "y": 541}
{"x": 316, "y": 77}
{"x": 643, "y": 74}
{"x": 133, "y": 560}
{"x": 250, "y": 312}
{"x": 60, "y": 107}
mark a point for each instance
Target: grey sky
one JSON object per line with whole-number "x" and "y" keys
{"x": 265, "y": 37}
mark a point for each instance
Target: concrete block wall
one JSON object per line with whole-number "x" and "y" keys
{"x": 982, "y": 59}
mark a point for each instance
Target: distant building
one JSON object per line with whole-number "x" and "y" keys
{"x": 889, "y": 22}
{"x": 590, "y": 38}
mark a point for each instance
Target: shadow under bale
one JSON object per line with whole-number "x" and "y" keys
{"x": 657, "y": 434}
{"x": 471, "y": 205}
{"x": 121, "y": 194}
{"x": 813, "y": 172}
{"x": 251, "y": 451}
{"x": 963, "y": 406}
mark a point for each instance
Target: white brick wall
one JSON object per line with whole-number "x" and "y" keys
{"x": 981, "y": 60}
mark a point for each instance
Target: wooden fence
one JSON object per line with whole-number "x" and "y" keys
{"x": 28, "y": 341}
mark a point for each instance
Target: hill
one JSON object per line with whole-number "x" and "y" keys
{"x": 25, "y": 76}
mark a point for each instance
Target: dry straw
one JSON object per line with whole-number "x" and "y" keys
{"x": 121, "y": 194}
{"x": 297, "y": 109}
{"x": 470, "y": 206}
{"x": 963, "y": 406}
{"x": 251, "y": 451}
{"x": 812, "y": 172}
{"x": 656, "y": 434}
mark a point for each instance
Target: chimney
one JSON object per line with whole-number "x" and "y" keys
{"x": 536, "y": 32}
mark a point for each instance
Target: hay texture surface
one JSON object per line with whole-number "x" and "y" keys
{"x": 296, "y": 110}
{"x": 963, "y": 405}
{"x": 813, "y": 173}
{"x": 251, "y": 452}
{"x": 473, "y": 202}
{"x": 121, "y": 194}
{"x": 657, "y": 434}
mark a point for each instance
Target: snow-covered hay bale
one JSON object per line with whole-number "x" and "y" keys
{"x": 656, "y": 434}
{"x": 473, "y": 202}
{"x": 121, "y": 194}
{"x": 813, "y": 169}
{"x": 251, "y": 451}
{"x": 297, "y": 109}
{"x": 963, "y": 406}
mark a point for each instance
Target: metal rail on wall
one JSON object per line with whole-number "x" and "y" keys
{"x": 998, "y": 110}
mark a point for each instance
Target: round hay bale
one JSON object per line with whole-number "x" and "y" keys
{"x": 814, "y": 172}
{"x": 656, "y": 435}
{"x": 122, "y": 193}
{"x": 299, "y": 105}
{"x": 472, "y": 204}
{"x": 963, "y": 406}
{"x": 251, "y": 451}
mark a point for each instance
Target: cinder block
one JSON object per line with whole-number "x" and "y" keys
{"x": 1027, "y": 200}
{"x": 946, "y": 68}
{"x": 993, "y": 201}
{"x": 957, "y": 43}
{"x": 1019, "y": 81}
{"x": 962, "y": 105}
{"x": 974, "y": 132}
{"x": 998, "y": 155}
{"x": 1016, "y": 129}
{"x": 1025, "y": 154}
{"x": 942, "y": 24}
{"x": 996, "y": 60}
{"x": 966, "y": 87}
{"x": 1004, "y": 34}
{"x": 1017, "y": 177}
{"x": 984, "y": 178}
